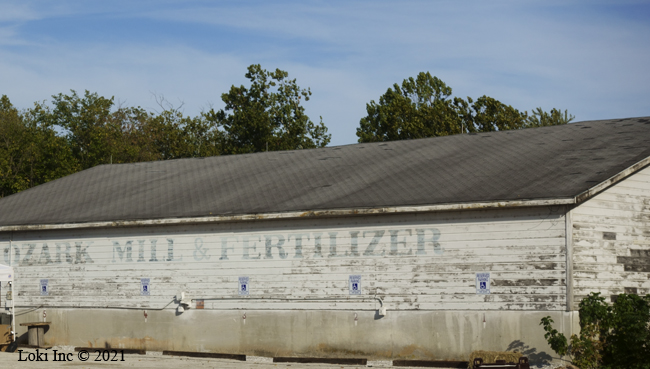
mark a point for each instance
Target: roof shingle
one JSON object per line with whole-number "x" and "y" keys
{"x": 541, "y": 163}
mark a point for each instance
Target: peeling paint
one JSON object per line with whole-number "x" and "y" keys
{"x": 611, "y": 239}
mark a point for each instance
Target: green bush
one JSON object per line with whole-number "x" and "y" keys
{"x": 613, "y": 336}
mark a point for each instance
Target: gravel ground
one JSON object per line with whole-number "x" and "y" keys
{"x": 155, "y": 360}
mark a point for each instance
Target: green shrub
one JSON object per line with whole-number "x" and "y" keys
{"x": 613, "y": 336}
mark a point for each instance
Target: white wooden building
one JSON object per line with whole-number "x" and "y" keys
{"x": 423, "y": 249}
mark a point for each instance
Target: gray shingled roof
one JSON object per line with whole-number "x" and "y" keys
{"x": 542, "y": 163}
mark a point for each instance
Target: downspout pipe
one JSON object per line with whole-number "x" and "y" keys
{"x": 13, "y": 287}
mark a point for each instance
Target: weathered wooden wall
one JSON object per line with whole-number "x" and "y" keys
{"x": 413, "y": 261}
{"x": 611, "y": 240}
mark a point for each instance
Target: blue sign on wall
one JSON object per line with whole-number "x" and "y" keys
{"x": 244, "y": 287}
{"x": 145, "y": 286}
{"x": 482, "y": 283}
{"x": 45, "y": 289}
{"x": 355, "y": 285}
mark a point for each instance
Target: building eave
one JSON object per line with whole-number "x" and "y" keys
{"x": 593, "y": 191}
{"x": 294, "y": 215}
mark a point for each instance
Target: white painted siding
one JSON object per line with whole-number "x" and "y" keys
{"x": 413, "y": 261}
{"x": 611, "y": 240}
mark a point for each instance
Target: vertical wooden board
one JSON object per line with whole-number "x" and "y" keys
{"x": 433, "y": 257}
{"x": 4, "y": 287}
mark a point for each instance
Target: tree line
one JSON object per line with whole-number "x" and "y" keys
{"x": 424, "y": 107}
{"x": 76, "y": 132}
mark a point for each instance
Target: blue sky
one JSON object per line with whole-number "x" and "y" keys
{"x": 590, "y": 57}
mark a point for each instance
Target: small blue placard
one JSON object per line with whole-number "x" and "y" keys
{"x": 355, "y": 285}
{"x": 482, "y": 283}
{"x": 145, "y": 286}
{"x": 244, "y": 286}
{"x": 45, "y": 288}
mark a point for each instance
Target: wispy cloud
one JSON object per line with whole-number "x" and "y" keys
{"x": 12, "y": 12}
{"x": 588, "y": 57}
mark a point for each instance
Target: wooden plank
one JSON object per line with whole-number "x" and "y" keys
{"x": 35, "y": 324}
{"x": 211, "y": 355}
{"x": 102, "y": 349}
{"x": 431, "y": 363}
{"x": 321, "y": 360}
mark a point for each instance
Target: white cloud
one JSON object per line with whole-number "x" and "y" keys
{"x": 12, "y": 12}
{"x": 526, "y": 54}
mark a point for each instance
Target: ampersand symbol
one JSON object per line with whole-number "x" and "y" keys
{"x": 199, "y": 252}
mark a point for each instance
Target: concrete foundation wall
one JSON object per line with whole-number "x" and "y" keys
{"x": 433, "y": 335}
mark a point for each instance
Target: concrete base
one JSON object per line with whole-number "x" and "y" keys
{"x": 419, "y": 335}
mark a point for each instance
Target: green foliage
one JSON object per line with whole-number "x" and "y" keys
{"x": 556, "y": 340}
{"x": 176, "y": 136}
{"x": 491, "y": 115}
{"x": 86, "y": 120}
{"x": 423, "y": 107}
{"x": 267, "y": 116}
{"x": 100, "y": 133}
{"x": 629, "y": 339}
{"x": 97, "y": 132}
{"x": 587, "y": 348}
{"x": 31, "y": 153}
{"x": 420, "y": 108}
{"x": 611, "y": 336}
{"x": 130, "y": 141}
{"x": 79, "y": 132}
{"x": 540, "y": 118}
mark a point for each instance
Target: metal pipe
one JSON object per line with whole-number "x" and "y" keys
{"x": 342, "y": 299}
{"x": 568, "y": 239}
{"x": 13, "y": 287}
{"x": 296, "y": 299}
{"x": 100, "y": 307}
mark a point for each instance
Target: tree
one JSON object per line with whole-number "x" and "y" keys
{"x": 487, "y": 114}
{"x": 540, "y": 118}
{"x": 267, "y": 115}
{"x": 176, "y": 136}
{"x": 98, "y": 132}
{"x": 418, "y": 108}
{"x": 31, "y": 153}
{"x": 423, "y": 107}
{"x": 85, "y": 121}
{"x": 129, "y": 138}
{"x": 613, "y": 336}
{"x": 78, "y": 132}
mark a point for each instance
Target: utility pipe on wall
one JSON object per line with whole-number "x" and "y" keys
{"x": 13, "y": 287}
{"x": 381, "y": 311}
